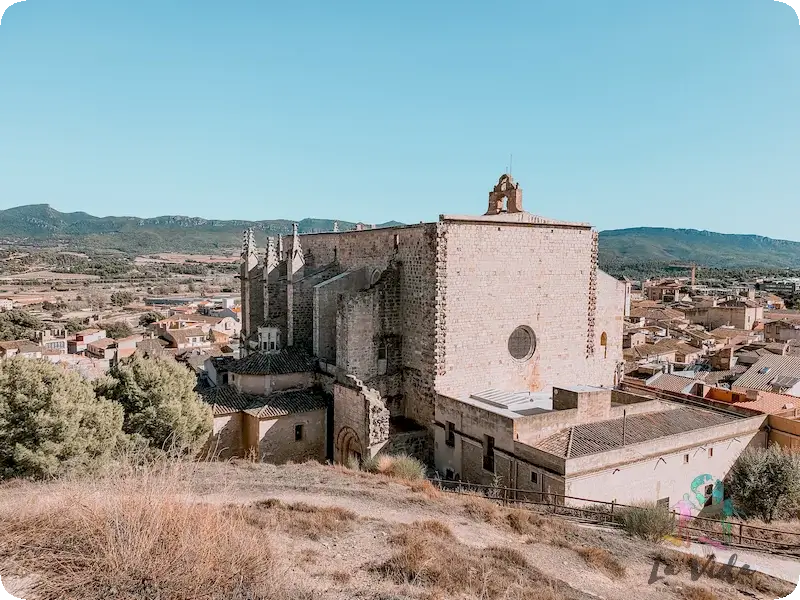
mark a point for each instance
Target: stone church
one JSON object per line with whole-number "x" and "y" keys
{"x": 390, "y": 317}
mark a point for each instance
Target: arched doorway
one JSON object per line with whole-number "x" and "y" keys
{"x": 348, "y": 446}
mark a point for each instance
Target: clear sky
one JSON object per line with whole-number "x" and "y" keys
{"x": 680, "y": 113}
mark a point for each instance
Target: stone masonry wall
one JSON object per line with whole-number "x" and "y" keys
{"x": 326, "y": 297}
{"x": 413, "y": 251}
{"x": 499, "y": 277}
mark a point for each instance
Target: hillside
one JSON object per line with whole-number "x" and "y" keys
{"x": 41, "y": 224}
{"x": 661, "y": 245}
{"x": 253, "y": 531}
{"x": 619, "y": 249}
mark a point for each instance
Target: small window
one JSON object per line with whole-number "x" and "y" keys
{"x": 534, "y": 477}
{"x": 686, "y": 459}
{"x": 381, "y": 352}
{"x": 298, "y": 433}
{"x": 272, "y": 345}
{"x": 451, "y": 434}
{"x": 710, "y": 453}
{"x": 488, "y": 454}
{"x": 448, "y": 474}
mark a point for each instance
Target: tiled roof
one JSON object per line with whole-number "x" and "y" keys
{"x": 769, "y": 371}
{"x": 226, "y": 400}
{"x": 670, "y": 383}
{"x": 103, "y": 343}
{"x": 285, "y": 403}
{"x": 646, "y": 351}
{"x": 657, "y": 314}
{"x": 183, "y": 335}
{"x": 153, "y": 347}
{"x": 602, "y": 436}
{"x": 288, "y": 360}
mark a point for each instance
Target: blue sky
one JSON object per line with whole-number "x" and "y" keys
{"x": 622, "y": 114}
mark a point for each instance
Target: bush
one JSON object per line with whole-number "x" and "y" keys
{"x": 149, "y": 318}
{"x": 160, "y": 404}
{"x": 765, "y": 483}
{"x": 121, "y": 298}
{"x": 51, "y": 422}
{"x": 400, "y": 466}
{"x": 647, "y": 521}
{"x": 116, "y": 330}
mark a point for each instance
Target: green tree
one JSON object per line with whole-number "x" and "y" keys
{"x": 765, "y": 483}
{"x": 160, "y": 403}
{"x": 18, "y": 325}
{"x": 121, "y": 298}
{"x": 149, "y": 318}
{"x": 116, "y": 329}
{"x": 51, "y": 422}
{"x": 74, "y": 325}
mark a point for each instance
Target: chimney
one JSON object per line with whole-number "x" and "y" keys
{"x": 592, "y": 404}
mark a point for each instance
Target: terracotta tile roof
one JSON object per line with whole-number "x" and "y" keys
{"x": 288, "y": 360}
{"x": 285, "y": 403}
{"x": 182, "y": 335}
{"x": 154, "y": 347}
{"x": 645, "y": 351}
{"x": 771, "y": 371}
{"x": 227, "y": 400}
{"x": 602, "y": 436}
{"x": 770, "y": 403}
{"x": 103, "y": 343}
{"x": 671, "y": 383}
{"x": 657, "y": 314}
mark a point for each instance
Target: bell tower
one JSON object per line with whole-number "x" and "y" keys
{"x": 506, "y": 197}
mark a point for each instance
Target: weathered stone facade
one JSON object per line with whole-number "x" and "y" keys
{"x": 506, "y": 300}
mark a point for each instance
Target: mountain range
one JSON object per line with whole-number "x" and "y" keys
{"x": 42, "y": 225}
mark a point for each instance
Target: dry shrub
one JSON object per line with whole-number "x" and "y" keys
{"x": 449, "y": 569}
{"x": 647, "y": 521}
{"x": 299, "y": 518}
{"x": 436, "y": 528}
{"x": 398, "y": 466}
{"x": 478, "y": 507}
{"x": 135, "y": 537}
{"x": 426, "y": 488}
{"x": 693, "y": 592}
{"x": 341, "y": 577}
{"x": 602, "y": 559}
{"x": 524, "y": 521}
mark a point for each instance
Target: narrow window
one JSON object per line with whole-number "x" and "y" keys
{"x": 488, "y": 453}
{"x": 604, "y": 344}
{"x": 451, "y": 434}
{"x": 382, "y": 352}
{"x": 272, "y": 345}
{"x": 298, "y": 433}
{"x": 710, "y": 453}
{"x": 686, "y": 459}
{"x": 534, "y": 477}
{"x": 448, "y": 474}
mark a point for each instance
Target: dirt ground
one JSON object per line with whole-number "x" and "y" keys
{"x": 340, "y": 560}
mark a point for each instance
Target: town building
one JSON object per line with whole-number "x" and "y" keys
{"x": 740, "y": 313}
{"x": 24, "y": 348}
{"x": 83, "y": 339}
{"x": 583, "y": 444}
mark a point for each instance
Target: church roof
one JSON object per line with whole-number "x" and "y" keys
{"x": 602, "y": 436}
{"x": 288, "y": 360}
{"x": 227, "y": 400}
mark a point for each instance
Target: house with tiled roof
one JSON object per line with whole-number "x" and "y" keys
{"x": 772, "y": 373}
{"x": 24, "y": 348}
{"x": 269, "y": 404}
{"x": 183, "y": 339}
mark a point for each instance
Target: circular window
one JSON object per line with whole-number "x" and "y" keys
{"x": 522, "y": 343}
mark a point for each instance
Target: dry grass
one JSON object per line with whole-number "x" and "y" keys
{"x": 679, "y": 563}
{"x": 602, "y": 559}
{"x": 299, "y": 518}
{"x": 449, "y": 569}
{"x": 136, "y": 537}
{"x": 524, "y": 522}
{"x": 398, "y": 466}
{"x": 693, "y": 592}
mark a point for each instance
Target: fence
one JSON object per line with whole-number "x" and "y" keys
{"x": 728, "y": 533}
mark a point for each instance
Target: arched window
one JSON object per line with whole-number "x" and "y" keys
{"x": 604, "y": 343}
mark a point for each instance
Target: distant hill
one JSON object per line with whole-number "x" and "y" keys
{"x": 41, "y": 224}
{"x": 621, "y": 247}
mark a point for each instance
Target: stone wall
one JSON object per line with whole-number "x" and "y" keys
{"x": 360, "y": 420}
{"x": 408, "y": 308}
{"x": 498, "y": 277}
{"x": 276, "y": 437}
{"x": 226, "y": 440}
{"x": 326, "y": 303}
{"x": 412, "y": 443}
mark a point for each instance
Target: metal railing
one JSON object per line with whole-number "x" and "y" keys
{"x": 601, "y": 512}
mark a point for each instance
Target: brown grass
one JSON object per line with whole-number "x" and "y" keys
{"x": 602, "y": 559}
{"x": 448, "y": 568}
{"x": 136, "y": 537}
{"x": 693, "y": 592}
{"x": 299, "y": 518}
